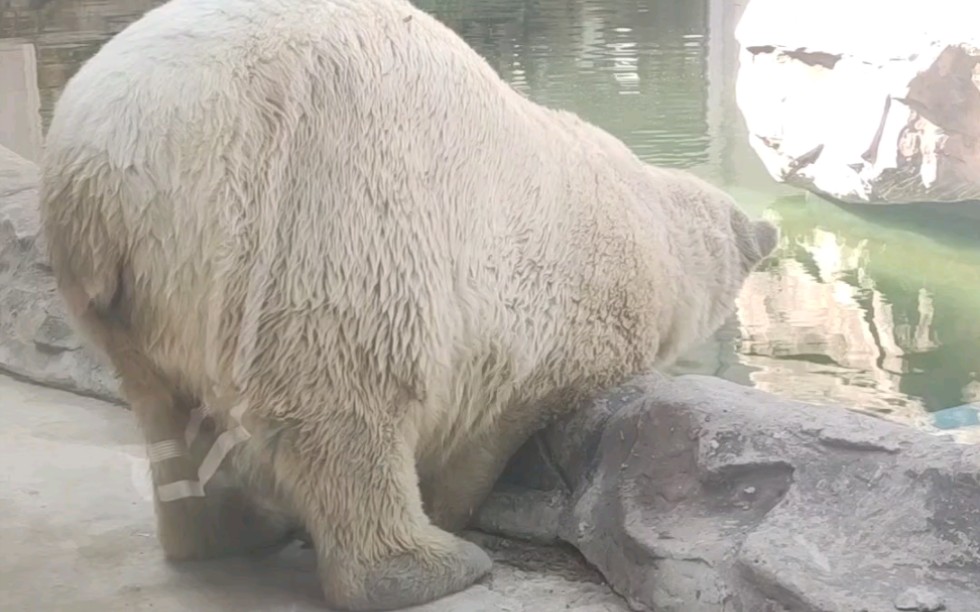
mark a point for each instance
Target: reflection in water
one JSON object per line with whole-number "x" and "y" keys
{"x": 866, "y": 310}
{"x": 870, "y": 309}
{"x": 637, "y": 66}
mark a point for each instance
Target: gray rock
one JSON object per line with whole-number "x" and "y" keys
{"x": 696, "y": 494}
{"x": 36, "y": 340}
{"x": 921, "y": 600}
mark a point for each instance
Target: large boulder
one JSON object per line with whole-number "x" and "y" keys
{"x": 36, "y": 340}
{"x": 872, "y": 102}
{"x": 695, "y": 494}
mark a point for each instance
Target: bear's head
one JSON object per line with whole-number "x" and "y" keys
{"x": 715, "y": 247}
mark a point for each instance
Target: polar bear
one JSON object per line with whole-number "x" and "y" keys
{"x": 329, "y": 226}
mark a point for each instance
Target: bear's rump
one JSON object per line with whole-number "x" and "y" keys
{"x": 335, "y": 217}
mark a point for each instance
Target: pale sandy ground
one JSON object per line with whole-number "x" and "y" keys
{"x": 76, "y": 532}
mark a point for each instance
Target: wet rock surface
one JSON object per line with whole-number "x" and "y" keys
{"x": 695, "y": 494}
{"x": 36, "y": 340}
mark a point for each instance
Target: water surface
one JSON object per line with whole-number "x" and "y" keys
{"x": 871, "y": 308}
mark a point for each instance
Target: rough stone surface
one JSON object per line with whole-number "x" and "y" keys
{"x": 920, "y": 600}
{"x": 866, "y": 102}
{"x": 78, "y": 532}
{"x": 36, "y": 341}
{"x": 696, "y": 494}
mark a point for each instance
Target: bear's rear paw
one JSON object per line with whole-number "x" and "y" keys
{"x": 221, "y": 525}
{"x": 411, "y": 579}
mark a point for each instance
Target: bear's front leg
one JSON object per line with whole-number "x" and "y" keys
{"x": 454, "y": 491}
{"x": 352, "y": 479}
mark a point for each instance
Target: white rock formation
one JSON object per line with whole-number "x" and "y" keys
{"x": 873, "y": 101}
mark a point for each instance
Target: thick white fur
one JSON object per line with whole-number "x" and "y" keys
{"x": 336, "y": 212}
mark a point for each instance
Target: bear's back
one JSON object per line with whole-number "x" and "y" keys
{"x": 340, "y": 141}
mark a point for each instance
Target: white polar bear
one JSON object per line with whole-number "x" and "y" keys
{"x": 331, "y": 225}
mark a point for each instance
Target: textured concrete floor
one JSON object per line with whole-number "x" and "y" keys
{"x": 76, "y": 532}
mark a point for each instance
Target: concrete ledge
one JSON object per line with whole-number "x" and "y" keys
{"x": 78, "y": 532}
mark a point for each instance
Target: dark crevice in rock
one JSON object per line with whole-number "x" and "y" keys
{"x": 810, "y": 58}
{"x": 850, "y": 444}
{"x": 547, "y": 455}
{"x": 804, "y": 160}
{"x": 773, "y": 143}
{"x": 52, "y": 349}
{"x": 814, "y": 58}
{"x": 33, "y": 378}
{"x": 871, "y": 155}
{"x": 770, "y": 588}
{"x": 750, "y": 487}
{"x": 559, "y": 559}
{"x": 526, "y": 514}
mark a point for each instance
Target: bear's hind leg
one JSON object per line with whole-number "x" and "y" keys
{"x": 189, "y": 525}
{"x": 353, "y": 480}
